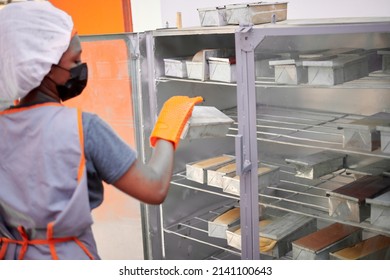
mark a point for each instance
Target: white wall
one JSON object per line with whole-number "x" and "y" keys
{"x": 147, "y": 14}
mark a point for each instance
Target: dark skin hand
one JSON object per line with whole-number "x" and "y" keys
{"x": 149, "y": 182}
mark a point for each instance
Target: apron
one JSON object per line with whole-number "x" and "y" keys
{"x": 44, "y": 205}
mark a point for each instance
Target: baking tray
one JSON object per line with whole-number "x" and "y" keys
{"x": 206, "y": 122}
{"x": 256, "y": 13}
{"x": 318, "y": 164}
{"x": 267, "y": 175}
{"x": 373, "y": 248}
{"x": 349, "y": 201}
{"x": 197, "y": 171}
{"x": 282, "y": 230}
{"x": 380, "y": 210}
{"x": 362, "y": 134}
{"x": 318, "y": 245}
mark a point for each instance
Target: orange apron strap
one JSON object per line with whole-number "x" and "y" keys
{"x": 51, "y": 244}
{"x": 4, "y": 246}
{"x": 52, "y": 241}
{"x": 25, "y": 240}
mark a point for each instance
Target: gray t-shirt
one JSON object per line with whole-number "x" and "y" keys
{"x": 108, "y": 156}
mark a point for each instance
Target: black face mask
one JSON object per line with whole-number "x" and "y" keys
{"x": 76, "y": 83}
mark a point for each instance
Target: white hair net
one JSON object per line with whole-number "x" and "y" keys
{"x": 33, "y": 37}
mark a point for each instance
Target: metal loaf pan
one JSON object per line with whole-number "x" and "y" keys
{"x": 362, "y": 134}
{"x": 176, "y": 67}
{"x": 373, "y": 248}
{"x": 214, "y": 16}
{"x": 228, "y": 219}
{"x": 283, "y": 230}
{"x": 318, "y": 245}
{"x": 256, "y": 13}
{"x": 316, "y": 165}
{"x": 380, "y": 210}
{"x": 206, "y": 122}
{"x": 289, "y": 71}
{"x": 349, "y": 201}
{"x": 267, "y": 175}
{"x": 197, "y": 171}
{"x": 338, "y": 70}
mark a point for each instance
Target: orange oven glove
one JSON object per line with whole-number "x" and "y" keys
{"x": 172, "y": 119}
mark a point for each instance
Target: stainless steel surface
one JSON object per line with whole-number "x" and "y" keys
{"x": 273, "y": 121}
{"x": 302, "y": 253}
{"x": 318, "y": 164}
{"x": 206, "y": 122}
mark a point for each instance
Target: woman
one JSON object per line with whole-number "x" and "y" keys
{"x": 54, "y": 158}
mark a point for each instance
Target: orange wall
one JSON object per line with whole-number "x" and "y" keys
{"x": 108, "y": 92}
{"x": 98, "y": 16}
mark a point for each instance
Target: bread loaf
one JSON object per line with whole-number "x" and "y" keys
{"x": 228, "y": 217}
{"x": 363, "y": 248}
{"x": 260, "y": 171}
{"x": 212, "y": 161}
{"x": 265, "y": 244}
{"x": 229, "y": 168}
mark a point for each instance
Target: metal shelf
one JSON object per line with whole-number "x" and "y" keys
{"x": 375, "y": 80}
{"x": 310, "y": 129}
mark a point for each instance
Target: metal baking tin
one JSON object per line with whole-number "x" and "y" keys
{"x": 218, "y": 230}
{"x": 213, "y": 16}
{"x": 199, "y": 174}
{"x": 373, "y": 248}
{"x": 289, "y": 71}
{"x": 176, "y": 67}
{"x": 380, "y": 210}
{"x": 316, "y": 165}
{"x": 283, "y": 230}
{"x": 231, "y": 182}
{"x": 385, "y": 137}
{"x": 349, "y": 201}
{"x": 206, "y": 122}
{"x": 362, "y": 134}
{"x": 318, "y": 245}
{"x": 337, "y": 70}
{"x": 256, "y": 13}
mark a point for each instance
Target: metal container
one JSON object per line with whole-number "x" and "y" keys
{"x": 373, "y": 248}
{"x": 176, "y": 67}
{"x": 316, "y": 165}
{"x": 198, "y": 66}
{"x": 267, "y": 175}
{"x": 385, "y": 137}
{"x": 228, "y": 219}
{"x": 197, "y": 171}
{"x": 222, "y": 69}
{"x": 363, "y": 134}
{"x": 289, "y": 71}
{"x": 281, "y": 230}
{"x": 349, "y": 201}
{"x": 206, "y": 122}
{"x": 380, "y": 210}
{"x": 215, "y": 16}
{"x": 318, "y": 245}
{"x": 337, "y": 70}
{"x": 215, "y": 175}
{"x": 256, "y": 13}
{"x": 385, "y": 60}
